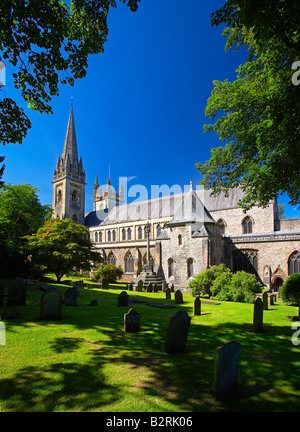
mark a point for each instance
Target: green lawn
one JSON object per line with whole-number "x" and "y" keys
{"x": 87, "y": 363}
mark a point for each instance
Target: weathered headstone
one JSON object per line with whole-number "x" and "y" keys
{"x": 258, "y": 315}
{"x": 165, "y": 286}
{"x": 155, "y": 288}
{"x": 94, "y": 302}
{"x": 168, "y": 294}
{"x": 78, "y": 285}
{"x": 226, "y": 370}
{"x": 177, "y": 333}
{"x": 150, "y": 287}
{"x": 265, "y": 300}
{"x": 123, "y": 299}
{"x": 105, "y": 283}
{"x": 140, "y": 285}
{"x": 71, "y": 297}
{"x": 197, "y": 306}
{"x": 130, "y": 287}
{"x": 16, "y": 293}
{"x": 51, "y": 306}
{"x": 132, "y": 321}
{"x": 172, "y": 288}
{"x": 178, "y": 297}
{"x": 272, "y": 299}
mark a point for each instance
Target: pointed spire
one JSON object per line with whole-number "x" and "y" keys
{"x": 70, "y": 144}
{"x": 96, "y": 185}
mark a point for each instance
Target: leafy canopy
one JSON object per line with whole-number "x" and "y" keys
{"x": 61, "y": 246}
{"x": 48, "y": 43}
{"x": 257, "y": 116}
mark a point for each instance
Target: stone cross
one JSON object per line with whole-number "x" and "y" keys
{"x": 177, "y": 333}
{"x": 226, "y": 370}
{"x": 258, "y": 315}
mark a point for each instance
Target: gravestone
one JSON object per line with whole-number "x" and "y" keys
{"x": 178, "y": 297}
{"x": 1, "y": 294}
{"x": 132, "y": 321}
{"x": 155, "y": 288}
{"x": 272, "y": 299}
{"x": 150, "y": 287}
{"x": 71, "y": 297}
{"x": 197, "y": 306}
{"x": 177, "y": 333}
{"x": 172, "y": 288}
{"x": 94, "y": 302}
{"x": 78, "y": 285}
{"x": 140, "y": 285}
{"x": 123, "y": 299}
{"x": 258, "y": 315}
{"x": 265, "y": 300}
{"x": 105, "y": 283}
{"x": 130, "y": 287}
{"x": 226, "y": 370}
{"x": 165, "y": 286}
{"x": 168, "y": 294}
{"x": 16, "y": 293}
{"x": 51, "y": 306}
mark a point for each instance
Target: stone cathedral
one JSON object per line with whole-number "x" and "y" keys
{"x": 188, "y": 231}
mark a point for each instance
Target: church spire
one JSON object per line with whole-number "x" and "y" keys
{"x": 70, "y": 144}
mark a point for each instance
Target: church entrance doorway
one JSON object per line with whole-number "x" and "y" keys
{"x": 277, "y": 284}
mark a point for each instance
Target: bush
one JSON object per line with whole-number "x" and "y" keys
{"x": 109, "y": 271}
{"x": 290, "y": 290}
{"x": 203, "y": 282}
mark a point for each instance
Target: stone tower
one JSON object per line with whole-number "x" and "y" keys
{"x": 107, "y": 197}
{"x": 69, "y": 180}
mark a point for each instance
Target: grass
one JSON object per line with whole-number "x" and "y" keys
{"x": 87, "y": 363}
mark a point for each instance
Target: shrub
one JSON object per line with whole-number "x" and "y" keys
{"x": 290, "y": 290}
{"x": 203, "y": 282}
{"x": 109, "y": 271}
{"x": 244, "y": 286}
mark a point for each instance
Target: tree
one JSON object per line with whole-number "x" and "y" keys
{"x": 21, "y": 213}
{"x": 257, "y": 115}
{"x": 203, "y": 282}
{"x": 61, "y": 246}
{"x": 109, "y": 271}
{"x": 48, "y": 43}
{"x": 290, "y": 290}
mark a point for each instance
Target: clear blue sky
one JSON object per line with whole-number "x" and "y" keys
{"x": 140, "y": 108}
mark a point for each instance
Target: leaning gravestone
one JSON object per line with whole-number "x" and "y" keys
{"x": 265, "y": 300}
{"x": 105, "y": 283}
{"x": 178, "y": 297}
{"x": 17, "y": 291}
{"x": 258, "y": 315}
{"x": 197, "y": 306}
{"x": 168, "y": 294}
{"x": 177, "y": 333}
{"x": 226, "y": 370}
{"x": 123, "y": 299}
{"x": 71, "y": 297}
{"x": 51, "y": 306}
{"x": 132, "y": 321}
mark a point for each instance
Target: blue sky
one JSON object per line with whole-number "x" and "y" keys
{"x": 140, "y": 109}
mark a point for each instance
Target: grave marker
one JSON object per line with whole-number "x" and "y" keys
{"x": 132, "y": 321}
{"x": 177, "y": 333}
{"x": 123, "y": 299}
{"x": 197, "y": 306}
{"x": 168, "y": 294}
{"x": 178, "y": 297}
{"x": 51, "y": 306}
{"x": 258, "y": 315}
{"x": 226, "y": 370}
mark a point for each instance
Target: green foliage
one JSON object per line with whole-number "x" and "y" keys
{"x": 290, "y": 290}
{"x": 202, "y": 283}
{"x": 108, "y": 271}
{"x": 61, "y": 246}
{"x": 257, "y": 115}
{"x": 222, "y": 284}
{"x": 48, "y": 43}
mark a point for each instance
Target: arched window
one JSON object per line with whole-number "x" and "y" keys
{"x": 114, "y": 235}
{"x": 109, "y": 236}
{"x": 190, "y": 267}
{"x": 170, "y": 267}
{"x": 294, "y": 263}
{"x": 223, "y": 225}
{"x": 123, "y": 234}
{"x": 111, "y": 259}
{"x": 245, "y": 259}
{"x": 74, "y": 195}
{"x": 100, "y": 237}
{"x": 145, "y": 232}
{"x": 247, "y": 225}
{"x": 179, "y": 240}
{"x": 129, "y": 263}
{"x": 96, "y": 237}
{"x": 129, "y": 234}
{"x": 158, "y": 230}
{"x": 140, "y": 233}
